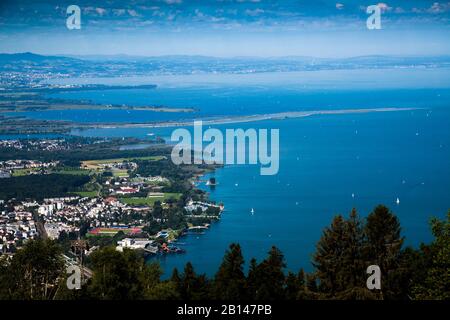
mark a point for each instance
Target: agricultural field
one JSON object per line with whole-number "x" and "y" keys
{"x": 149, "y": 201}
{"x": 97, "y": 164}
{"x": 24, "y": 172}
{"x": 65, "y": 170}
{"x": 72, "y": 171}
{"x": 87, "y": 194}
{"x": 120, "y": 173}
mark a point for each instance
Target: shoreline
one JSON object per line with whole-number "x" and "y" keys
{"x": 62, "y": 107}
{"x": 35, "y": 126}
{"x": 241, "y": 119}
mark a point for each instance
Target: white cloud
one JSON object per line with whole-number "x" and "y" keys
{"x": 100, "y": 11}
{"x": 173, "y": 1}
{"x": 119, "y": 12}
{"x": 199, "y": 14}
{"x": 133, "y": 13}
{"x": 254, "y": 12}
{"x": 439, "y": 7}
{"x": 384, "y": 7}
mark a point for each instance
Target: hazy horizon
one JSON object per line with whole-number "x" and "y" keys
{"x": 226, "y": 28}
{"x": 130, "y": 56}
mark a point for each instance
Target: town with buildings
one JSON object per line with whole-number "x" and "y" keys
{"x": 116, "y": 205}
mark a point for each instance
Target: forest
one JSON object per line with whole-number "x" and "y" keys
{"x": 39, "y": 187}
{"x": 347, "y": 247}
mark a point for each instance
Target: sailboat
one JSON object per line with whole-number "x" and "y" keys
{"x": 397, "y": 201}
{"x": 252, "y": 211}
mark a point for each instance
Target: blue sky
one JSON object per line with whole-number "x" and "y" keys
{"x": 226, "y": 27}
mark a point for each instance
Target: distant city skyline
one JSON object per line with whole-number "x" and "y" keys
{"x": 226, "y": 28}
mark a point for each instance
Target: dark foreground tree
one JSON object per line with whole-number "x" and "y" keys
{"x": 343, "y": 254}
{"x": 436, "y": 285}
{"x": 383, "y": 247}
{"x": 33, "y": 272}
{"x": 267, "y": 279}
{"x": 295, "y": 286}
{"x": 230, "y": 281}
{"x": 116, "y": 275}
{"x": 191, "y": 286}
{"x": 339, "y": 260}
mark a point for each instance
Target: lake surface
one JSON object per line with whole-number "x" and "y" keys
{"x": 328, "y": 164}
{"x": 237, "y": 95}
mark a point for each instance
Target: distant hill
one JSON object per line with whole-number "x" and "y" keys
{"x": 30, "y": 57}
{"x": 124, "y": 65}
{"x": 199, "y": 58}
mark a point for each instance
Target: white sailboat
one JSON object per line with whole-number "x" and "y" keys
{"x": 252, "y": 211}
{"x": 397, "y": 201}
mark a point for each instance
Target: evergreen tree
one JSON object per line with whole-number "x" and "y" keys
{"x": 33, "y": 272}
{"x": 292, "y": 286}
{"x": 436, "y": 284}
{"x": 352, "y": 273}
{"x": 269, "y": 279}
{"x": 295, "y": 287}
{"x": 154, "y": 288}
{"x": 176, "y": 279}
{"x": 339, "y": 260}
{"x": 383, "y": 247}
{"x": 150, "y": 279}
{"x": 193, "y": 286}
{"x": 117, "y": 275}
{"x": 327, "y": 259}
{"x": 345, "y": 250}
{"x": 310, "y": 291}
{"x": 409, "y": 273}
{"x": 230, "y": 281}
{"x": 252, "y": 280}
{"x": 165, "y": 290}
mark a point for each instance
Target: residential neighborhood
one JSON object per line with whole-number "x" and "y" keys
{"x": 118, "y": 204}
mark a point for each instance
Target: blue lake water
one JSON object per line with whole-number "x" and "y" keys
{"x": 219, "y": 95}
{"x": 236, "y": 101}
{"x": 324, "y": 160}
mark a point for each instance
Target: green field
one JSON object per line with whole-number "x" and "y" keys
{"x": 120, "y": 173}
{"x": 74, "y": 171}
{"x": 149, "y": 201}
{"x": 24, "y": 172}
{"x": 94, "y": 164}
{"x": 88, "y": 194}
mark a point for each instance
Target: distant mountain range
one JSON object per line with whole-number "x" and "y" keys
{"x": 29, "y": 57}
{"x": 179, "y": 64}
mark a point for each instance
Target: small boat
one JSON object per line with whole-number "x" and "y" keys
{"x": 397, "y": 201}
{"x": 171, "y": 249}
{"x": 252, "y": 211}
